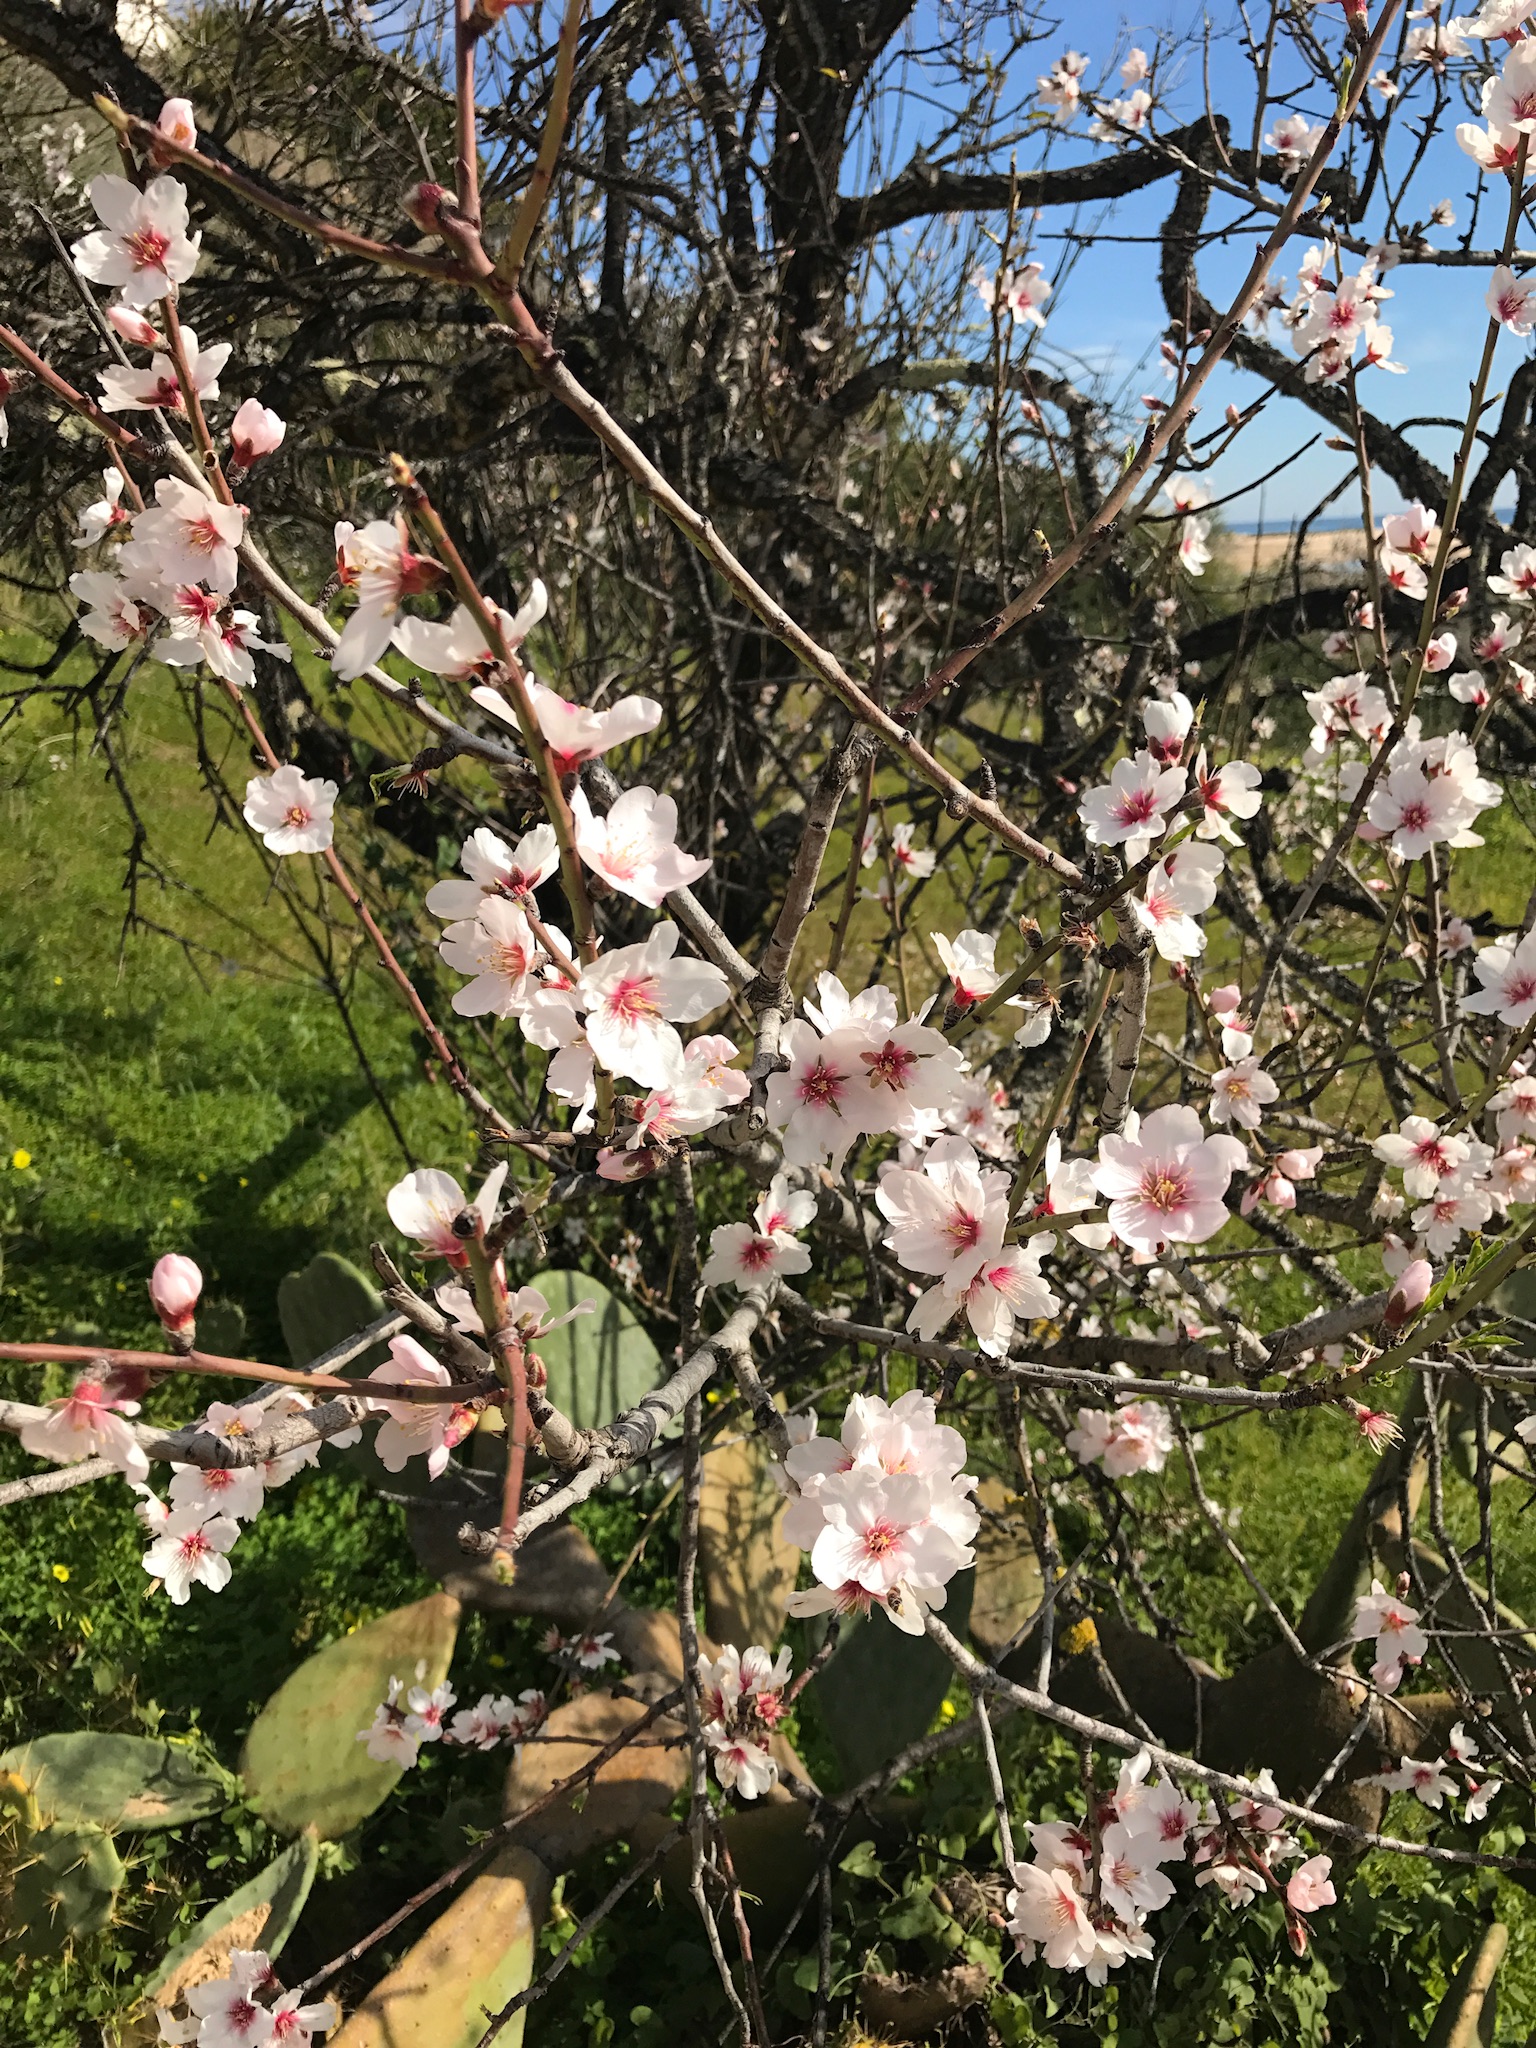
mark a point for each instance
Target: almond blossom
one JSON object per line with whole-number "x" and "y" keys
{"x": 1399, "y": 1639}
{"x": 1231, "y": 791}
{"x": 458, "y": 650}
{"x": 948, "y": 1216}
{"x": 256, "y": 430}
{"x": 1517, "y": 577}
{"x": 1167, "y": 720}
{"x": 1179, "y": 889}
{"x": 1414, "y": 811}
{"x": 1194, "y": 555}
{"x": 634, "y": 848}
{"x": 635, "y": 996}
{"x": 186, "y": 537}
{"x": 572, "y": 733}
{"x": 117, "y": 610}
{"x": 159, "y": 387}
{"x": 498, "y": 949}
{"x": 142, "y": 248}
{"x": 815, "y": 1101}
{"x": 1508, "y": 974}
{"x": 190, "y": 1550}
{"x": 416, "y": 1428}
{"x": 496, "y": 869}
{"x": 1165, "y": 1180}
{"x": 292, "y": 813}
{"x": 1424, "y": 1154}
{"x": 1239, "y": 1093}
{"x": 98, "y": 520}
{"x": 1135, "y": 1437}
{"x": 1020, "y": 293}
{"x": 88, "y": 1423}
{"x": 1130, "y": 809}
{"x": 1006, "y": 1288}
{"x": 741, "y": 1698}
{"x": 1428, "y": 1781}
{"x": 747, "y": 1254}
{"x": 200, "y": 627}
{"x": 427, "y": 1204}
{"x": 967, "y": 960}
{"x": 384, "y": 571}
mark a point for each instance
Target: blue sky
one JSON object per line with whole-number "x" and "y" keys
{"x": 1110, "y": 314}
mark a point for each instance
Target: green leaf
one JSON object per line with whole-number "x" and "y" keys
{"x": 116, "y": 1781}
{"x": 302, "y": 1763}
{"x": 262, "y": 1914}
{"x": 861, "y": 1861}
{"x": 598, "y": 1364}
{"x": 881, "y": 1688}
{"x": 66, "y": 1885}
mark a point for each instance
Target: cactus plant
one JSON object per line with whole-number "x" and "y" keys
{"x": 600, "y": 1364}
{"x": 302, "y": 1763}
{"x": 63, "y": 1883}
{"x": 907, "y": 1676}
{"x": 748, "y": 1568}
{"x": 261, "y": 1914}
{"x": 325, "y": 1304}
{"x": 474, "y": 1957}
{"x": 115, "y": 1781}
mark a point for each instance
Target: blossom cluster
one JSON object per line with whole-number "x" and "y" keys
{"x": 247, "y": 2008}
{"x": 411, "y": 1716}
{"x": 1083, "y": 1899}
{"x": 1433, "y": 1780}
{"x": 741, "y": 1696}
{"x": 884, "y": 1509}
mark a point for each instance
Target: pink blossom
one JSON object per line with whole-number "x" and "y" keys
{"x": 1424, "y": 1154}
{"x": 1020, "y": 293}
{"x": 948, "y": 1217}
{"x": 190, "y": 1551}
{"x": 117, "y": 609}
{"x": 1005, "y": 1289}
{"x": 1048, "y": 1913}
{"x": 292, "y": 813}
{"x": 495, "y": 869}
{"x": 1167, "y": 720}
{"x": 815, "y": 1102}
{"x": 159, "y": 387}
{"x": 1494, "y": 149}
{"x": 497, "y": 947}
{"x": 255, "y": 430}
{"x": 1238, "y": 1094}
{"x": 572, "y": 733}
{"x": 1135, "y": 1437}
{"x": 427, "y": 1204}
{"x": 416, "y": 1428}
{"x": 1179, "y": 888}
{"x": 1307, "y": 1890}
{"x": 1228, "y": 792}
{"x": 186, "y": 537}
{"x": 233, "y": 1490}
{"x": 88, "y": 1424}
{"x": 1440, "y": 653}
{"x": 97, "y": 520}
{"x": 142, "y": 247}
{"x": 459, "y": 649}
{"x": 1165, "y": 1179}
{"x": 634, "y": 848}
{"x": 635, "y": 995}
{"x": 295, "y": 2025}
{"x": 1414, "y": 811}
{"x": 1194, "y": 555}
{"x": 1508, "y": 974}
{"x": 132, "y": 325}
{"x": 1518, "y": 574}
{"x": 967, "y": 960}
{"x": 1394, "y": 1624}
{"x": 174, "y": 1288}
{"x": 177, "y": 123}
{"x": 384, "y": 570}
{"x": 708, "y": 1058}
{"x": 1429, "y": 1782}
{"x": 201, "y": 627}
{"x": 1130, "y": 810}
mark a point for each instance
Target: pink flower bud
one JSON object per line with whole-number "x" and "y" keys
{"x": 616, "y": 1165}
{"x": 1234, "y": 416}
{"x": 1440, "y": 653}
{"x": 174, "y": 1287}
{"x": 255, "y": 431}
{"x": 422, "y": 203}
{"x": 132, "y": 326}
{"x": 1410, "y": 1293}
{"x": 178, "y": 124}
